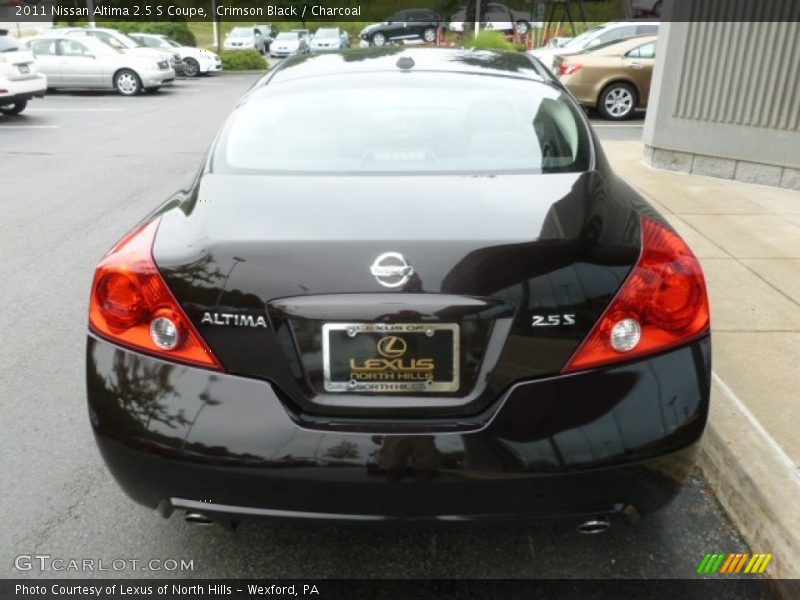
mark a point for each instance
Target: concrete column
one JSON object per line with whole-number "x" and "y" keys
{"x": 725, "y": 97}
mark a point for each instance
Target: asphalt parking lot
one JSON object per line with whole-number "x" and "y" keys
{"x": 76, "y": 171}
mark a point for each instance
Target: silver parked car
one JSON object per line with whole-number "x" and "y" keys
{"x": 328, "y": 39}
{"x": 245, "y": 38}
{"x": 288, "y": 43}
{"x": 120, "y": 41}
{"x": 72, "y": 62}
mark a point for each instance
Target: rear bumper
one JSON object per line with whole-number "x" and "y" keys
{"x": 23, "y": 89}
{"x": 588, "y": 443}
{"x": 585, "y": 93}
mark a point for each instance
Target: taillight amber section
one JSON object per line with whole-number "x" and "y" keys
{"x": 128, "y": 292}
{"x": 665, "y": 294}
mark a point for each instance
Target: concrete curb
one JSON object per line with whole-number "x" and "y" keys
{"x": 756, "y": 482}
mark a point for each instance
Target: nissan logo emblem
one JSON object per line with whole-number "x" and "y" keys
{"x": 391, "y": 269}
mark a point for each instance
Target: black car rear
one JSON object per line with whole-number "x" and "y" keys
{"x": 432, "y": 279}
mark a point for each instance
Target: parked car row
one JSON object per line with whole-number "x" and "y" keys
{"x": 266, "y": 39}
{"x": 93, "y": 58}
{"x": 595, "y": 37}
{"x": 608, "y": 67}
{"x": 424, "y": 24}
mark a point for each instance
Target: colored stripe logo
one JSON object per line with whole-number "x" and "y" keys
{"x": 733, "y": 563}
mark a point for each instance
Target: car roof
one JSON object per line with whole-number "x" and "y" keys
{"x": 385, "y": 59}
{"x": 620, "y": 46}
{"x": 622, "y": 22}
{"x": 50, "y": 37}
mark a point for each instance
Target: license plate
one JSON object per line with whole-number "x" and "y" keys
{"x": 390, "y": 357}
{"x": 24, "y": 69}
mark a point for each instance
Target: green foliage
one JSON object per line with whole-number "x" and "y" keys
{"x": 243, "y": 60}
{"x": 490, "y": 40}
{"x": 174, "y": 30}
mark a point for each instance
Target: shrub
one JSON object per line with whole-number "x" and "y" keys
{"x": 174, "y": 30}
{"x": 490, "y": 40}
{"x": 243, "y": 60}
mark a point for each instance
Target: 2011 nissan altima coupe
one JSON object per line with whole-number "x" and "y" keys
{"x": 477, "y": 318}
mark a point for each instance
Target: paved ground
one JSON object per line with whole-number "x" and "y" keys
{"x": 75, "y": 172}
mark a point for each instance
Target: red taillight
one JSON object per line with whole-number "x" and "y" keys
{"x": 569, "y": 69}
{"x": 132, "y": 305}
{"x": 662, "y": 303}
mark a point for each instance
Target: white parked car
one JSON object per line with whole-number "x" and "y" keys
{"x": 121, "y": 42}
{"x": 20, "y": 79}
{"x": 288, "y": 43}
{"x": 196, "y": 61}
{"x": 604, "y": 34}
{"x": 497, "y": 17}
{"x": 329, "y": 39}
{"x": 245, "y": 38}
{"x": 85, "y": 62}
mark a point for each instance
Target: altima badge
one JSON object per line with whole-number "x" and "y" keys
{"x": 237, "y": 320}
{"x": 391, "y": 269}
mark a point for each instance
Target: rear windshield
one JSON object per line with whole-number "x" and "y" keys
{"x": 399, "y": 123}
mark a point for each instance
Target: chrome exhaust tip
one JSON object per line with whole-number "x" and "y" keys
{"x": 197, "y": 518}
{"x": 594, "y": 525}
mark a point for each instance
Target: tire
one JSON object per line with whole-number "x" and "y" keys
{"x": 191, "y": 68}
{"x": 429, "y": 35}
{"x": 127, "y": 82}
{"x": 523, "y": 27}
{"x": 378, "y": 39}
{"x": 618, "y": 101}
{"x": 13, "y": 109}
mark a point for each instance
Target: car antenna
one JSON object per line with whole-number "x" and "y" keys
{"x": 405, "y": 62}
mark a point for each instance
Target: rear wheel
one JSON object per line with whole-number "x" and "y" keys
{"x": 523, "y": 27}
{"x": 127, "y": 83}
{"x": 378, "y": 39}
{"x": 429, "y": 35}
{"x": 617, "y": 101}
{"x": 191, "y": 68}
{"x": 13, "y": 109}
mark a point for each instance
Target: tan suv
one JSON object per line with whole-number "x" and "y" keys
{"x": 614, "y": 78}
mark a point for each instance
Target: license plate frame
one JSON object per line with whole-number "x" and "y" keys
{"x": 379, "y": 331}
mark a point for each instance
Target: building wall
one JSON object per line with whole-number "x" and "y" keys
{"x": 725, "y": 99}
